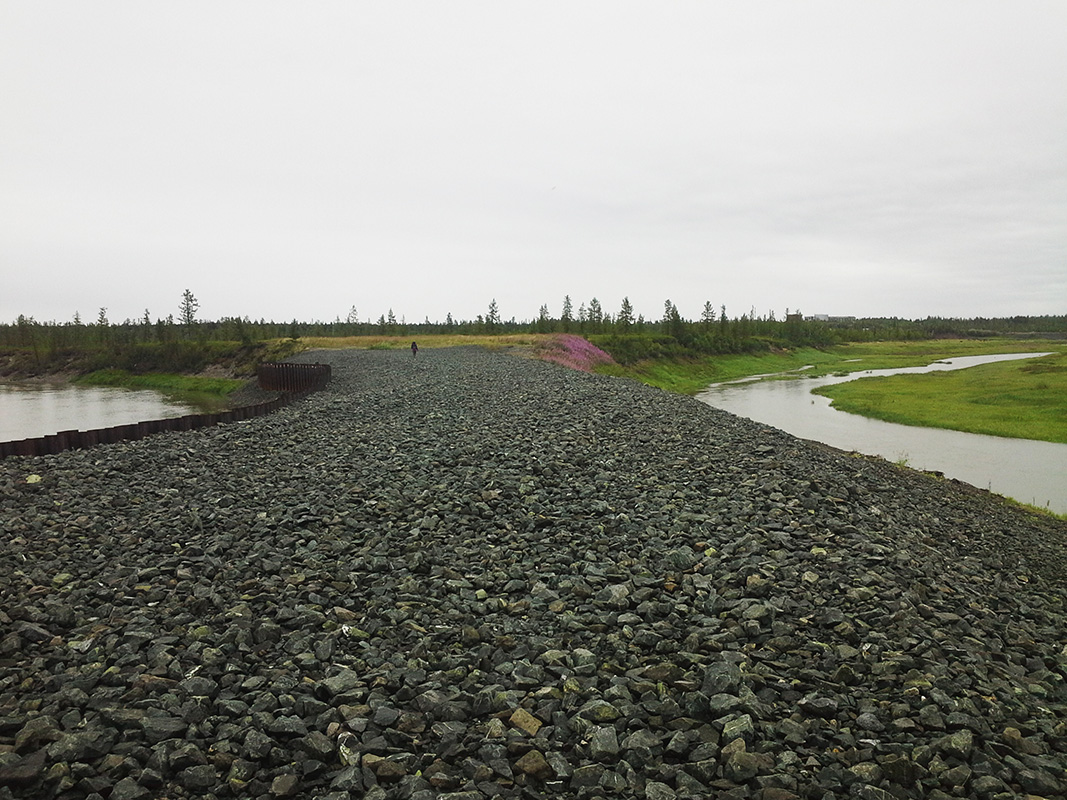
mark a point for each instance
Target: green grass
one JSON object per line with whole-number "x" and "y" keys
{"x": 1043, "y": 511}
{"x": 848, "y": 358}
{"x": 690, "y": 376}
{"x": 1020, "y": 399}
{"x": 205, "y": 393}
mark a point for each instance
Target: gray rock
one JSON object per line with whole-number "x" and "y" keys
{"x": 129, "y": 789}
{"x": 739, "y": 728}
{"x": 603, "y": 744}
{"x": 83, "y": 746}
{"x": 198, "y": 779}
{"x": 681, "y": 559}
{"x": 199, "y": 686}
{"x": 349, "y": 779}
{"x": 285, "y": 786}
{"x": 586, "y": 776}
{"x": 257, "y": 745}
{"x": 957, "y": 745}
{"x": 37, "y": 731}
{"x": 1039, "y": 782}
{"x": 869, "y": 722}
{"x": 317, "y": 745}
{"x": 875, "y": 793}
{"x": 287, "y": 726}
{"x": 721, "y": 677}
{"x": 536, "y": 766}
{"x": 344, "y": 681}
{"x": 498, "y": 565}
{"x": 24, "y": 771}
{"x": 824, "y": 707}
{"x": 741, "y": 766}
{"x": 656, "y": 790}
{"x": 159, "y": 728}
{"x": 600, "y": 711}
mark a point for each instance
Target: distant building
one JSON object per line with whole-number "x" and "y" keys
{"x": 828, "y": 318}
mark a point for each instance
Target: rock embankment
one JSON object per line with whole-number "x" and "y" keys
{"x": 469, "y": 575}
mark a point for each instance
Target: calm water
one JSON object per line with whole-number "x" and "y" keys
{"x": 28, "y": 411}
{"x": 1029, "y": 471}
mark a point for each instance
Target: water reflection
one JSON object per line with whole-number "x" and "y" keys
{"x": 30, "y": 410}
{"x": 1029, "y": 471}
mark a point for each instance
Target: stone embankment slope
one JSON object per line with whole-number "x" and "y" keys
{"x": 469, "y": 575}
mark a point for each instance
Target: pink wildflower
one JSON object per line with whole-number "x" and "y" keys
{"x": 572, "y": 351}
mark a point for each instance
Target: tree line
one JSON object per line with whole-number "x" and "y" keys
{"x": 181, "y": 341}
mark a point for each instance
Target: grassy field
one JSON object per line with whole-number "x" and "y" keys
{"x": 890, "y": 355}
{"x": 693, "y": 375}
{"x": 1021, "y": 399}
{"x": 207, "y": 394}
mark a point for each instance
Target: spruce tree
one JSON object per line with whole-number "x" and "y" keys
{"x": 188, "y": 308}
{"x": 567, "y": 316}
{"x": 492, "y": 318}
{"x": 596, "y": 316}
{"x": 708, "y": 316}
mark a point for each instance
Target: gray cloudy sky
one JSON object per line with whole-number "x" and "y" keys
{"x": 291, "y": 160}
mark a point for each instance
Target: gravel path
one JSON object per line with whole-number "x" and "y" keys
{"x": 471, "y": 575}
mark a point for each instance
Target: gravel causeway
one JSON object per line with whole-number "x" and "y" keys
{"x": 470, "y": 575}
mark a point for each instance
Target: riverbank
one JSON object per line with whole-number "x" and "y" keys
{"x": 477, "y": 574}
{"x": 207, "y": 393}
{"x": 690, "y": 376}
{"x": 1027, "y": 470}
{"x": 214, "y": 389}
{"x": 182, "y": 367}
{"x": 1022, "y": 400}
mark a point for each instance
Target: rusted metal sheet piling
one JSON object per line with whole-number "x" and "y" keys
{"x": 292, "y": 380}
{"x": 284, "y": 377}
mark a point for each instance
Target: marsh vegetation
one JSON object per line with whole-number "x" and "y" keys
{"x": 1019, "y": 399}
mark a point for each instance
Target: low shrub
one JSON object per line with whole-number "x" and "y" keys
{"x": 572, "y": 351}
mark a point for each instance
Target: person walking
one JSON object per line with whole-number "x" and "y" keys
{"x": 414, "y": 349}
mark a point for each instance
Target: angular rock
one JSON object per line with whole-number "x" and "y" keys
{"x": 24, "y": 771}
{"x": 198, "y": 779}
{"x": 159, "y": 728}
{"x": 536, "y": 766}
{"x": 524, "y": 721}
{"x": 82, "y": 746}
{"x": 362, "y": 589}
{"x": 603, "y": 744}
{"x": 285, "y": 786}
{"x": 129, "y": 789}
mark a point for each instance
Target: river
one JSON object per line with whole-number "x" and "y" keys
{"x": 28, "y": 411}
{"x": 1029, "y": 471}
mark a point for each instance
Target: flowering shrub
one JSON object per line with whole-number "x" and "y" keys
{"x": 572, "y": 351}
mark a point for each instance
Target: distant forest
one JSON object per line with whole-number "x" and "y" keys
{"x": 185, "y": 342}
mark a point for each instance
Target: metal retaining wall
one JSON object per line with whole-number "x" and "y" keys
{"x": 283, "y": 377}
{"x": 294, "y": 383}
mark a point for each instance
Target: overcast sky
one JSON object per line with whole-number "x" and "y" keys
{"x": 292, "y": 160}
